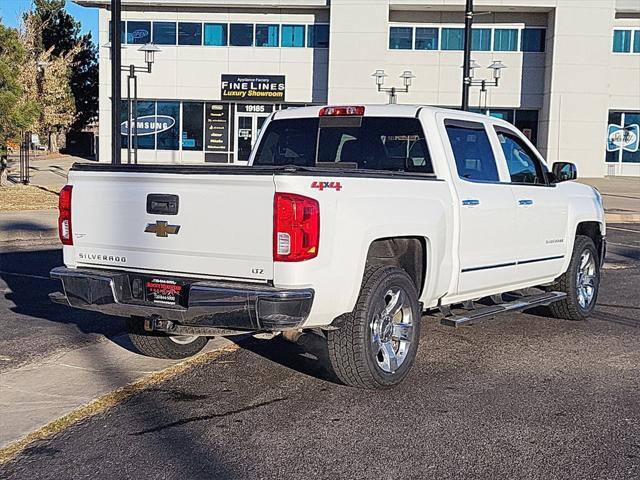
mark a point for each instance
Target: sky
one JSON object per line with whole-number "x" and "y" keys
{"x": 11, "y": 12}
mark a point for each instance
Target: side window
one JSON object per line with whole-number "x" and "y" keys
{"x": 523, "y": 165}
{"x": 472, "y": 151}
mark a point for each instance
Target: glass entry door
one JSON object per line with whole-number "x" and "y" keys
{"x": 249, "y": 121}
{"x": 245, "y": 136}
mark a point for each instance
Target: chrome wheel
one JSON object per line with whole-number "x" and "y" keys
{"x": 392, "y": 331}
{"x": 586, "y": 279}
{"x": 183, "y": 339}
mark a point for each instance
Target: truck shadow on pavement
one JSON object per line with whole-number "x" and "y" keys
{"x": 26, "y": 274}
{"x": 309, "y": 355}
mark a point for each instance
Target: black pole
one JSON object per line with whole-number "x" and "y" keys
{"x": 466, "y": 64}
{"x": 116, "y": 61}
{"x": 129, "y": 113}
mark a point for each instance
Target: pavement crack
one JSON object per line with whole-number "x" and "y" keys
{"x": 184, "y": 421}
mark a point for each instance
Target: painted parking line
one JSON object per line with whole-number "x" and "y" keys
{"x": 623, "y": 229}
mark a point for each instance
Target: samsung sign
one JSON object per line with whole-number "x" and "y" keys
{"x": 252, "y": 87}
{"x": 148, "y": 125}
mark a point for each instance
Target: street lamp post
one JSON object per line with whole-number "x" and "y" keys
{"x": 496, "y": 68}
{"x": 149, "y": 50}
{"x": 466, "y": 63}
{"x": 406, "y": 77}
{"x": 116, "y": 63}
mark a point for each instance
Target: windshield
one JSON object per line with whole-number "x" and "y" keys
{"x": 369, "y": 143}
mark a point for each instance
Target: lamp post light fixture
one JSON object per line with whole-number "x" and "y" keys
{"x": 407, "y": 78}
{"x": 470, "y": 81}
{"x": 149, "y": 49}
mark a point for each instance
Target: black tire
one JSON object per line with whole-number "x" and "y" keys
{"x": 160, "y": 345}
{"x": 354, "y": 356}
{"x": 570, "y": 308}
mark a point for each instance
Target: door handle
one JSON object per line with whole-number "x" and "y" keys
{"x": 470, "y": 203}
{"x": 525, "y": 201}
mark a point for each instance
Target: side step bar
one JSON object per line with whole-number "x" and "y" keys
{"x": 521, "y": 303}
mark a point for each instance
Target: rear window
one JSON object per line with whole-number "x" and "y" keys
{"x": 368, "y": 143}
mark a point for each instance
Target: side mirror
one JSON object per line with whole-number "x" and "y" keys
{"x": 564, "y": 171}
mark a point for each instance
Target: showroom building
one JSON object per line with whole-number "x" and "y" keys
{"x": 572, "y": 82}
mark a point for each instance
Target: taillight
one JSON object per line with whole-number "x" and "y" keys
{"x": 296, "y": 227}
{"x": 64, "y": 216}
{"x": 343, "y": 111}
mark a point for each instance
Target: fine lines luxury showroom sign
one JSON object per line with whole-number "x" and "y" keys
{"x": 252, "y": 87}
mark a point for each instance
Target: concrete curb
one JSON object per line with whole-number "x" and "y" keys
{"x": 622, "y": 217}
{"x": 29, "y": 236}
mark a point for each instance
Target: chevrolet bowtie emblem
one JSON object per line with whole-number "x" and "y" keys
{"x": 162, "y": 229}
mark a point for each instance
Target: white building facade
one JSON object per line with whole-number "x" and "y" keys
{"x": 572, "y": 82}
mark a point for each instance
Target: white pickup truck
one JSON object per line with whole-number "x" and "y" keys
{"x": 351, "y": 220}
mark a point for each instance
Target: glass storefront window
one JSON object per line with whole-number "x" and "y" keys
{"x": 527, "y": 122}
{"x": 452, "y": 38}
{"x": 615, "y": 118}
{"x": 401, "y": 38}
{"x": 123, "y": 32}
{"x": 189, "y": 33}
{"x": 138, "y": 32}
{"x": 241, "y": 34}
{"x": 632, "y": 123}
{"x": 293, "y": 35}
{"x": 124, "y": 140}
{"x": 427, "y": 38}
{"x": 145, "y": 113}
{"x": 623, "y": 137}
{"x": 636, "y": 42}
{"x": 505, "y": 39}
{"x": 215, "y": 34}
{"x": 192, "y": 125}
{"x": 146, "y": 141}
{"x": 267, "y": 35}
{"x": 168, "y": 139}
{"x": 533, "y": 40}
{"x": 481, "y": 39}
{"x": 502, "y": 114}
{"x": 164, "y": 33}
{"x": 317, "y": 36}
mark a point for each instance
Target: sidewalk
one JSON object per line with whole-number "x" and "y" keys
{"x": 46, "y": 171}
{"x": 33, "y": 226}
{"x": 35, "y": 395}
{"x": 621, "y": 197}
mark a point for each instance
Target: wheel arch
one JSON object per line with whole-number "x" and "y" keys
{"x": 406, "y": 252}
{"x": 595, "y": 231}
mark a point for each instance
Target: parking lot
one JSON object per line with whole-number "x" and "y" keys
{"x": 519, "y": 396}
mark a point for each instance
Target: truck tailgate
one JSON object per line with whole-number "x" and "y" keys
{"x": 223, "y": 227}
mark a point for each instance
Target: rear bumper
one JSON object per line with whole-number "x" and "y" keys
{"x": 225, "y": 305}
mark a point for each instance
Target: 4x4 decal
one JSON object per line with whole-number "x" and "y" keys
{"x": 322, "y": 185}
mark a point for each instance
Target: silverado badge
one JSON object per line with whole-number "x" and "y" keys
{"x": 162, "y": 228}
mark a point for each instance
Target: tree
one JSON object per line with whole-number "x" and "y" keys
{"x": 46, "y": 79}
{"x": 17, "y": 111}
{"x": 60, "y": 34}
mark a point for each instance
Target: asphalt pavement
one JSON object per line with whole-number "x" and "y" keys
{"x": 32, "y": 328}
{"x": 520, "y": 396}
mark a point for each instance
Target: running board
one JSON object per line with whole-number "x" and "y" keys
{"x": 522, "y": 303}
